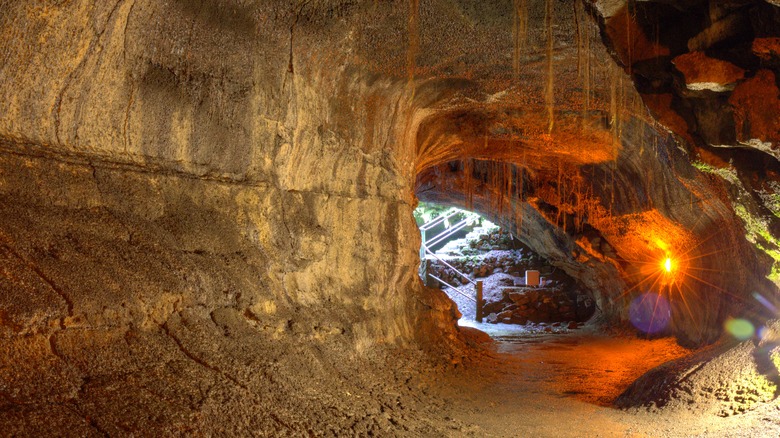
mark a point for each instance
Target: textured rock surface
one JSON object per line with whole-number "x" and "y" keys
{"x": 729, "y": 45}
{"x": 120, "y": 314}
{"x": 201, "y": 222}
{"x": 704, "y": 73}
{"x": 737, "y": 377}
{"x": 217, "y": 195}
{"x": 735, "y": 43}
{"x": 205, "y": 93}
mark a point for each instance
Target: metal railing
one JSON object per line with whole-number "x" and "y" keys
{"x": 448, "y": 214}
{"x": 477, "y": 284}
{"x": 448, "y": 232}
{"x": 453, "y": 288}
{"x": 429, "y": 252}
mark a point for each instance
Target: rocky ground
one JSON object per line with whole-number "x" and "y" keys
{"x": 167, "y": 366}
{"x": 499, "y": 261}
{"x": 180, "y": 368}
{"x": 564, "y": 386}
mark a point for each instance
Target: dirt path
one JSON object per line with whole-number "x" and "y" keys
{"x": 563, "y": 386}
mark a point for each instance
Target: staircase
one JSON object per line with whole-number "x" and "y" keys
{"x": 454, "y": 247}
{"x": 445, "y": 229}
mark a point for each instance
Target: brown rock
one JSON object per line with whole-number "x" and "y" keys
{"x": 518, "y": 319}
{"x": 623, "y": 27}
{"x": 704, "y": 73}
{"x": 756, "y": 105}
{"x": 506, "y": 314}
{"x": 720, "y": 30}
{"x": 768, "y": 49}
{"x": 493, "y": 307}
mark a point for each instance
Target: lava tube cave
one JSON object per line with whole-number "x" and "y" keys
{"x": 499, "y": 218}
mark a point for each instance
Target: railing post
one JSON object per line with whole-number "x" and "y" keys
{"x": 423, "y": 259}
{"x": 422, "y": 244}
{"x": 479, "y": 301}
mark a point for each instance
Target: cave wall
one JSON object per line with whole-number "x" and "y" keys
{"x": 707, "y": 72}
{"x": 322, "y": 114}
{"x": 655, "y": 197}
{"x": 710, "y": 75}
{"x": 207, "y": 189}
{"x": 213, "y": 93}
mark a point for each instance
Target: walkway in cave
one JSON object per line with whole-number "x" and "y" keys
{"x": 538, "y": 376}
{"x": 564, "y": 385}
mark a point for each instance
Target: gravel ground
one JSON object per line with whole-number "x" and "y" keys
{"x": 564, "y": 385}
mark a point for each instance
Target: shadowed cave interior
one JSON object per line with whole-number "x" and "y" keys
{"x": 207, "y": 216}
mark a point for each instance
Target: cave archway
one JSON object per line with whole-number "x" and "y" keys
{"x": 565, "y": 153}
{"x": 600, "y": 201}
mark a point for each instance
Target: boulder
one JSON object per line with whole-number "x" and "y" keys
{"x": 756, "y": 104}
{"x": 704, "y": 73}
{"x": 768, "y": 49}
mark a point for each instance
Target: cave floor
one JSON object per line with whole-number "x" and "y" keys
{"x": 563, "y": 385}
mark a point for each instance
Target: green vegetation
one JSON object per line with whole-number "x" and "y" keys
{"x": 756, "y": 227}
{"x": 426, "y": 212}
{"x": 770, "y": 196}
{"x": 729, "y": 174}
{"x": 772, "y": 202}
{"x": 757, "y": 233}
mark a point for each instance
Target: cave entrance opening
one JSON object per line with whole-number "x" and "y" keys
{"x": 469, "y": 257}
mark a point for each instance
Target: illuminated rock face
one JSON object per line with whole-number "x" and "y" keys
{"x": 212, "y": 188}
{"x": 200, "y": 227}
{"x": 709, "y": 74}
{"x": 716, "y": 61}
{"x": 300, "y": 159}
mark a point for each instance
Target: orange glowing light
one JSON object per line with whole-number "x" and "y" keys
{"x": 652, "y": 244}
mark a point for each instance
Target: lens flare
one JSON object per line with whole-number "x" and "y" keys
{"x": 768, "y": 304}
{"x": 671, "y": 266}
{"x": 650, "y": 313}
{"x": 741, "y": 329}
{"x": 763, "y": 333}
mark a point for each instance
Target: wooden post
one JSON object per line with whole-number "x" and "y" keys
{"x": 479, "y": 301}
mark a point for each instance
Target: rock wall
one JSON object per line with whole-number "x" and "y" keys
{"x": 707, "y": 72}
{"x": 704, "y": 70}
{"x": 710, "y": 75}
{"x": 605, "y": 192}
{"x": 206, "y": 215}
{"x": 212, "y": 93}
